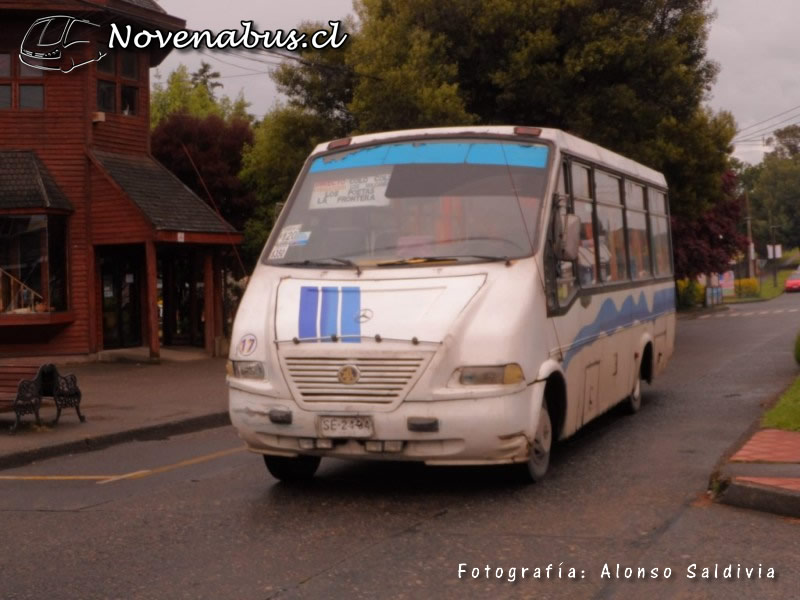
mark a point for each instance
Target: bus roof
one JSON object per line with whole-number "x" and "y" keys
{"x": 563, "y": 140}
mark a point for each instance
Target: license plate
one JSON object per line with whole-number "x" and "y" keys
{"x": 345, "y": 427}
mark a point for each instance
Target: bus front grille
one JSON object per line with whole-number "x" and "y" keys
{"x": 381, "y": 380}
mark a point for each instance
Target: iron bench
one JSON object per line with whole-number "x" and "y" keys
{"x": 18, "y": 391}
{"x": 22, "y": 388}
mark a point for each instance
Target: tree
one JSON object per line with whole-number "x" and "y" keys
{"x": 785, "y": 141}
{"x": 207, "y": 78}
{"x": 631, "y": 76}
{"x": 321, "y": 82}
{"x": 192, "y": 94}
{"x": 282, "y": 141}
{"x": 216, "y": 147}
{"x": 775, "y": 200}
{"x": 707, "y": 244}
{"x": 773, "y": 186}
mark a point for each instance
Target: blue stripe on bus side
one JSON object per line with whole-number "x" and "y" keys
{"x": 610, "y": 318}
{"x": 329, "y": 315}
{"x": 307, "y": 320}
{"x": 351, "y": 311}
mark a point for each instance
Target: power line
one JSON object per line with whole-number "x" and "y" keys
{"x": 760, "y": 136}
{"x": 769, "y": 119}
{"x": 769, "y": 129}
{"x": 225, "y": 62}
{"x": 253, "y": 74}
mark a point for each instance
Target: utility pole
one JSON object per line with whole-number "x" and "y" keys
{"x": 774, "y": 251}
{"x": 774, "y": 256}
{"x": 750, "y": 253}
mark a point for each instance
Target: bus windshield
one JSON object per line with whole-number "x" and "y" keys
{"x": 407, "y": 203}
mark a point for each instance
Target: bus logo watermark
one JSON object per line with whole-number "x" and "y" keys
{"x": 56, "y": 44}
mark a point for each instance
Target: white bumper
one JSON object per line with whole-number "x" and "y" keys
{"x": 476, "y": 431}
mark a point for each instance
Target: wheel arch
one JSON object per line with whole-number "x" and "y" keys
{"x": 555, "y": 394}
{"x": 646, "y": 367}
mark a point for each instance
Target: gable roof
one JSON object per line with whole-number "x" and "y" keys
{"x": 26, "y": 183}
{"x": 166, "y": 202}
{"x": 148, "y": 4}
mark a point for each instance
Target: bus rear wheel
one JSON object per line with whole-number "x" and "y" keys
{"x": 295, "y": 468}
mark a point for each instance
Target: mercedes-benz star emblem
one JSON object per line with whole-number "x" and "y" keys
{"x": 349, "y": 374}
{"x": 364, "y": 316}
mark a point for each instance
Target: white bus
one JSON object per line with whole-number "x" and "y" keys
{"x": 457, "y": 296}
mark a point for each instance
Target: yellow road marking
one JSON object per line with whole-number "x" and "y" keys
{"x": 178, "y": 465}
{"x": 101, "y": 479}
{"x": 53, "y": 477}
{"x": 119, "y": 477}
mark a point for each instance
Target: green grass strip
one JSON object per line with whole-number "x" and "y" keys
{"x": 786, "y": 413}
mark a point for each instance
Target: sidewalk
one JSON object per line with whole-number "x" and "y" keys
{"x": 764, "y": 474}
{"x": 123, "y": 401}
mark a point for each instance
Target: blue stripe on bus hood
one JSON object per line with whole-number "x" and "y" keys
{"x": 478, "y": 153}
{"x": 610, "y": 318}
{"x": 320, "y": 321}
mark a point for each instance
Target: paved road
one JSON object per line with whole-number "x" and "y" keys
{"x": 196, "y": 517}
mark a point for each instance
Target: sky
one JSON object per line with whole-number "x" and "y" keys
{"x": 754, "y": 42}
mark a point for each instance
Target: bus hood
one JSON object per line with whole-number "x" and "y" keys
{"x": 394, "y": 309}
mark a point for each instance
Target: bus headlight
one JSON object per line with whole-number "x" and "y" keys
{"x": 502, "y": 375}
{"x": 246, "y": 369}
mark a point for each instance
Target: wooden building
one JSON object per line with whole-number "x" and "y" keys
{"x": 100, "y": 246}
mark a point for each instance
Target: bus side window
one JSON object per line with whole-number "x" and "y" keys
{"x": 562, "y": 273}
{"x": 584, "y": 208}
{"x": 566, "y": 282}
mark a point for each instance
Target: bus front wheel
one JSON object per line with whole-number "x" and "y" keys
{"x": 539, "y": 459}
{"x": 633, "y": 403}
{"x": 296, "y": 468}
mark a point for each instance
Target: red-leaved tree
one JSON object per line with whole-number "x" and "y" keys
{"x": 215, "y": 146}
{"x": 707, "y": 244}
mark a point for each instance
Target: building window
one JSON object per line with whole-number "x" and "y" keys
{"x": 19, "y": 95}
{"x": 31, "y": 96}
{"x": 129, "y": 64}
{"x": 5, "y": 86}
{"x": 106, "y": 96}
{"x": 28, "y": 72}
{"x": 130, "y": 97}
{"x": 5, "y": 95}
{"x": 33, "y": 264}
{"x": 107, "y": 64}
{"x": 118, "y": 67}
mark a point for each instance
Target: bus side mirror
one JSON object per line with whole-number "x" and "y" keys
{"x": 569, "y": 238}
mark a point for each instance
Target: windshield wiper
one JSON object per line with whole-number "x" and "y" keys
{"x": 418, "y": 260}
{"x": 323, "y": 262}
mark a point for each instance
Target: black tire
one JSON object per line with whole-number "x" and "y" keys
{"x": 633, "y": 403}
{"x": 296, "y": 468}
{"x": 535, "y": 469}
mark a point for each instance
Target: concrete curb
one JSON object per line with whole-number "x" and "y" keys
{"x": 89, "y": 444}
{"x": 695, "y": 313}
{"x": 762, "y": 498}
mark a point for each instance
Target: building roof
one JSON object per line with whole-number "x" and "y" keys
{"x": 166, "y": 202}
{"x": 26, "y": 183}
{"x": 148, "y": 4}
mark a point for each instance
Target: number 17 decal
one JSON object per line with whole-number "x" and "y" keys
{"x": 247, "y": 345}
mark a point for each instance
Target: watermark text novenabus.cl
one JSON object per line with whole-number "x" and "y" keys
{"x": 247, "y": 37}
